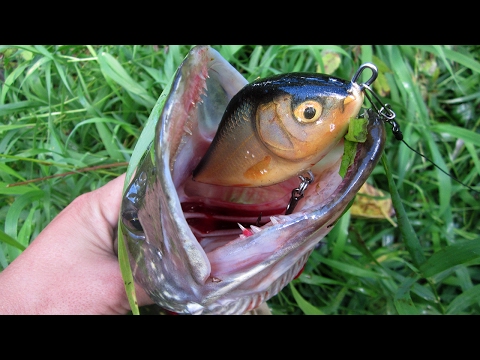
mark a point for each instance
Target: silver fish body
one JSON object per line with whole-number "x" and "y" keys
{"x": 183, "y": 241}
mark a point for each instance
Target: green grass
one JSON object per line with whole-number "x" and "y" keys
{"x": 71, "y": 115}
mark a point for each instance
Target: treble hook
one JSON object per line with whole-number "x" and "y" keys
{"x": 359, "y": 72}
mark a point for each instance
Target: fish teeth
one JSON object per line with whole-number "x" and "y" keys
{"x": 275, "y": 220}
{"x": 245, "y": 232}
{"x": 255, "y": 229}
{"x": 278, "y": 219}
{"x": 248, "y": 232}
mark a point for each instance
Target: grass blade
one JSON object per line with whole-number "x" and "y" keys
{"x": 126, "y": 271}
{"x": 109, "y": 141}
{"x": 7, "y": 239}
{"x": 350, "y": 269}
{"x": 467, "y": 61}
{"x": 22, "y": 202}
{"x": 113, "y": 69}
{"x": 464, "y": 300}
{"x": 458, "y": 132}
{"x": 304, "y": 305}
{"x": 455, "y": 254}
{"x": 408, "y": 234}
{"x": 403, "y": 301}
{"x": 7, "y": 109}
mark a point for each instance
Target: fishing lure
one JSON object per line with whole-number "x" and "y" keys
{"x": 279, "y": 127}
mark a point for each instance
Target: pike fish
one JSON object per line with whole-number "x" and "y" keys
{"x": 203, "y": 215}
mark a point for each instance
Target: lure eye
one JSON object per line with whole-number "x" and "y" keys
{"x": 307, "y": 112}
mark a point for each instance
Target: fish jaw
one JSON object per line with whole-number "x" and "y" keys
{"x": 165, "y": 257}
{"x": 182, "y": 248}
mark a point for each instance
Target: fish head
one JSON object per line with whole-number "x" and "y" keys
{"x": 305, "y": 115}
{"x": 279, "y": 127}
{"x": 199, "y": 248}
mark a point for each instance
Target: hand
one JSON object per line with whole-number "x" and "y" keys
{"x": 71, "y": 267}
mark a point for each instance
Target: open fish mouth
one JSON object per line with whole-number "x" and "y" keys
{"x": 209, "y": 249}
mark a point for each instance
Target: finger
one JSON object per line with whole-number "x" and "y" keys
{"x": 109, "y": 199}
